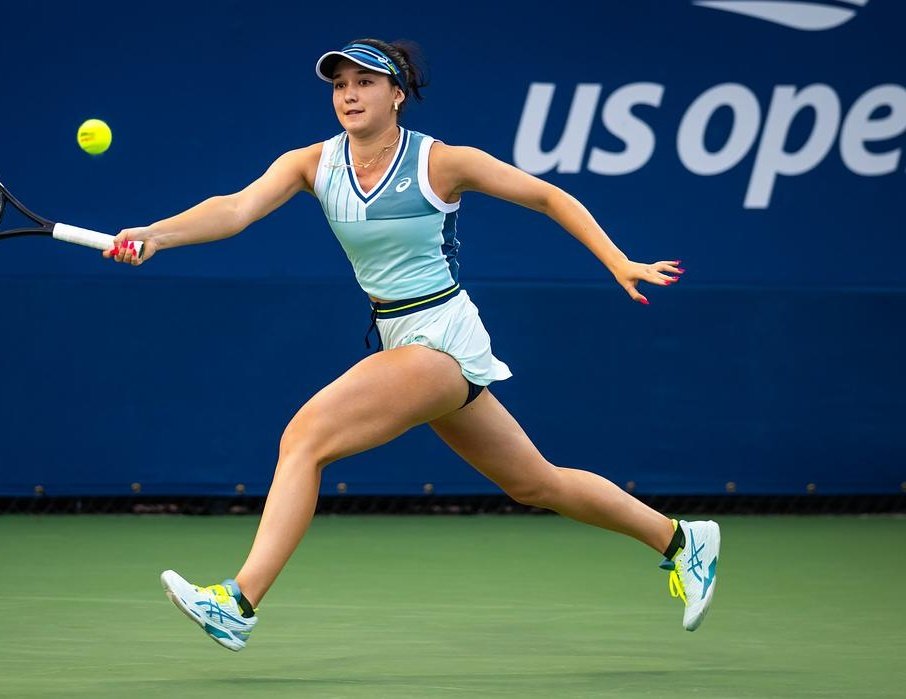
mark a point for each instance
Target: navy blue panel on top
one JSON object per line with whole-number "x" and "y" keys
{"x": 450, "y": 246}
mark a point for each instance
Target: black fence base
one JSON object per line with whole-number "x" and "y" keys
{"x": 455, "y": 505}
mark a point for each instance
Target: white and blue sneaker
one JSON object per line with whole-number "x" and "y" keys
{"x": 214, "y": 608}
{"x": 693, "y": 570}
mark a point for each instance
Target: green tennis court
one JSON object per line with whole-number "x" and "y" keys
{"x": 486, "y": 606}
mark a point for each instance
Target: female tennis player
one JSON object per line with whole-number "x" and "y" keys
{"x": 391, "y": 196}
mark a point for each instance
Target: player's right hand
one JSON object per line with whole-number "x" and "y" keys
{"x": 123, "y": 249}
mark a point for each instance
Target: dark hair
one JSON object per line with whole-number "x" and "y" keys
{"x": 408, "y": 58}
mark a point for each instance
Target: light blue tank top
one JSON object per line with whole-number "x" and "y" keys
{"x": 400, "y": 237}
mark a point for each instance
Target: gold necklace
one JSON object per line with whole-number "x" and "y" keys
{"x": 380, "y": 154}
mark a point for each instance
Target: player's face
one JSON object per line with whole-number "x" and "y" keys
{"x": 362, "y": 99}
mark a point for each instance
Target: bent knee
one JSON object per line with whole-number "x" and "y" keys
{"x": 540, "y": 491}
{"x": 305, "y": 442}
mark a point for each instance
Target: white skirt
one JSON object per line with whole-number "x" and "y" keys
{"x": 454, "y": 328}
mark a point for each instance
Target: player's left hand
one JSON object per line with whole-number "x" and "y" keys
{"x": 629, "y": 274}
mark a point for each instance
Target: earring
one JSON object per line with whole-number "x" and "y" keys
{"x": 396, "y": 106}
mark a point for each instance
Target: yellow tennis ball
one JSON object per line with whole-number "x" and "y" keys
{"x": 94, "y": 136}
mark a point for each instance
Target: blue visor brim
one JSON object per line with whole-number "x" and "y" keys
{"x": 362, "y": 55}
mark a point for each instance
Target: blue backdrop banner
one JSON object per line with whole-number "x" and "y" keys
{"x": 761, "y": 143}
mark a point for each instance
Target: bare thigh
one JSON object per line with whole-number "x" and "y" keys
{"x": 489, "y": 438}
{"x": 375, "y": 401}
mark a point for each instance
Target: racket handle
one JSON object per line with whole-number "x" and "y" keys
{"x": 90, "y": 239}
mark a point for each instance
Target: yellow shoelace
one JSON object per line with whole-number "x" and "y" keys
{"x": 676, "y": 585}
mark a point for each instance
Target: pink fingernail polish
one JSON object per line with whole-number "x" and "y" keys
{"x": 643, "y": 301}
{"x": 680, "y": 270}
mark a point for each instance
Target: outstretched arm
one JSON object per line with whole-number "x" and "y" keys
{"x": 457, "y": 169}
{"x": 223, "y": 216}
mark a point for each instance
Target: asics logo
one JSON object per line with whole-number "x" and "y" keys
{"x": 696, "y": 564}
{"x": 404, "y": 184}
{"x": 810, "y": 16}
{"x": 215, "y": 611}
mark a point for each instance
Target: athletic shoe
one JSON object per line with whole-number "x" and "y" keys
{"x": 214, "y": 608}
{"x": 693, "y": 570}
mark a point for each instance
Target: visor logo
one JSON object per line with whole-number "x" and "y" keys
{"x": 811, "y": 16}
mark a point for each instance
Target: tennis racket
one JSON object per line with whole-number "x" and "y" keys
{"x": 59, "y": 231}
